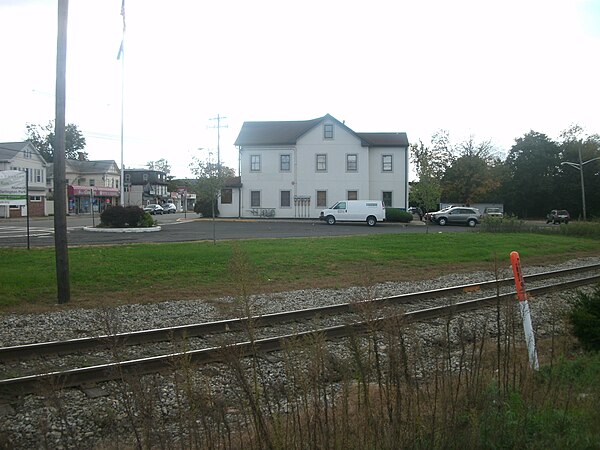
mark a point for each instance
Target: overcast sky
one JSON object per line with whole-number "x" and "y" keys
{"x": 492, "y": 69}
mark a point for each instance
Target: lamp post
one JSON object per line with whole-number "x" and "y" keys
{"x": 579, "y": 166}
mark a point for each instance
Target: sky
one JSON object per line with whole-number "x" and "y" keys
{"x": 487, "y": 68}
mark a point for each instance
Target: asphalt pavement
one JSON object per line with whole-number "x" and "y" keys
{"x": 188, "y": 228}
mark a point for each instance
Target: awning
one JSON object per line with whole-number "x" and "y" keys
{"x": 95, "y": 191}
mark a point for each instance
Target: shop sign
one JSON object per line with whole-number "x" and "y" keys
{"x": 13, "y": 188}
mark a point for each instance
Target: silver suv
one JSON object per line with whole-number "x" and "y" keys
{"x": 460, "y": 215}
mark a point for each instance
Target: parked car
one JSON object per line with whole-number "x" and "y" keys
{"x": 429, "y": 215}
{"x": 457, "y": 215}
{"x": 369, "y": 211}
{"x": 493, "y": 212}
{"x": 153, "y": 209}
{"x": 169, "y": 208}
{"x": 558, "y": 216}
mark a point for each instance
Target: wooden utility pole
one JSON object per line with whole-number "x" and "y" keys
{"x": 218, "y": 127}
{"x": 60, "y": 182}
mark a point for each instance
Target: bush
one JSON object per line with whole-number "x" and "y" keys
{"x": 123, "y": 217}
{"x": 397, "y": 215}
{"x": 204, "y": 207}
{"x": 585, "y": 319}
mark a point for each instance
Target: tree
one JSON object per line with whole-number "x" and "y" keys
{"x": 42, "y": 137}
{"x": 211, "y": 178}
{"x": 472, "y": 176}
{"x": 427, "y": 191}
{"x": 581, "y": 153}
{"x": 532, "y": 164}
{"x": 470, "y": 179}
{"x": 161, "y": 165}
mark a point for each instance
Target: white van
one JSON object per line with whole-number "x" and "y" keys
{"x": 370, "y": 211}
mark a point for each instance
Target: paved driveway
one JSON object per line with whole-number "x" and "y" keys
{"x": 177, "y": 228}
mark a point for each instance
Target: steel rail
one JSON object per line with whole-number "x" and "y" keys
{"x": 27, "y": 351}
{"x": 12, "y": 387}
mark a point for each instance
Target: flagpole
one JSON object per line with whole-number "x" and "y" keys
{"x": 122, "y": 114}
{"x": 121, "y": 56}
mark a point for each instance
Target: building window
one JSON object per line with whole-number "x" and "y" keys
{"x": 352, "y": 163}
{"x": 328, "y": 131}
{"x": 352, "y": 195}
{"x": 226, "y": 196}
{"x": 35, "y": 198}
{"x": 38, "y": 175}
{"x": 321, "y": 163}
{"x": 285, "y": 199}
{"x": 145, "y": 177}
{"x": 387, "y": 199}
{"x": 322, "y": 199}
{"x": 255, "y": 199}
{"x": 92, "y": 182}
{"x": 284, "y": 163}
{"x": 127, "y": 178}
{"x": 386, "y": 163}
{"x": 27, "y": 152}
{"x": 254, "y": 163}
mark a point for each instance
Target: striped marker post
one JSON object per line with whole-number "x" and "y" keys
{"x": 524, "y": 307}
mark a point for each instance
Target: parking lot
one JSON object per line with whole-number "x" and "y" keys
{"x": 188, "y": 227}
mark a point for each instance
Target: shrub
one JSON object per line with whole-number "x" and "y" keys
{"x": 204, "y": 207}
{"x": 585, "y": 319}
{"x": 397, "y": 215}
{"x": 128, "y": 216}
{"x": 590, "y": 229}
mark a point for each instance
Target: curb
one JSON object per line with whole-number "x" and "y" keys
{"x": 122, "y": 230}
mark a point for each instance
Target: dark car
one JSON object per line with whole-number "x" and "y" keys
{"x": 558, "y": 216}
{"x": 459, "y": 215}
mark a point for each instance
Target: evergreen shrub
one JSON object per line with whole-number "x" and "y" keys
{"x": 125, "y": 217}
{"x": 204, "y": 207}
{"x": 397, "y": 215}
{"x": 585, "y": 319}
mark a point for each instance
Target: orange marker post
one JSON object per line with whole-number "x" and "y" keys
{"x": 524, "y": 307}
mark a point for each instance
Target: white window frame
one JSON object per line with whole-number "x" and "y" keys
{"x": 391, "y": 196}
{"x": 328, "y": 133}
{"x": 259, "y": 199}
{"x": 348, "y": 194}
{"x": 255, "y": 165}
{"x": 348, "y": 169}
{"x": 324, "y": 205}
{"x": 289, "y": 162}
{"x": 289, "y": 205}
{"x": 324, "y": 162}
{"x": 384, "y": 163}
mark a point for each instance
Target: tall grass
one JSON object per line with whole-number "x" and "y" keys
{"x": 454, "y": 383}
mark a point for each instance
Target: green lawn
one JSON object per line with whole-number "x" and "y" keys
{"x": 138, "y": 273}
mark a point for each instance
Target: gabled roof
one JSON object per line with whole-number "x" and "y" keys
{"x": 288, "y": 133}
{"x": 274, "y": 133}
{"x": 8, "y": 150}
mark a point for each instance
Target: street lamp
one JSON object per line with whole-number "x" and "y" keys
{"x": 579, "y": 166}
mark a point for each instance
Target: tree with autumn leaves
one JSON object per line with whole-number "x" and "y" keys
{"x": 530, "y": 181}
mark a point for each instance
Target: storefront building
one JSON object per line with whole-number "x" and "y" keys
{"x": 88, "y": 199}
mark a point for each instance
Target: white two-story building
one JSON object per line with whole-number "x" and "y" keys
{"x": 294, "y": 169}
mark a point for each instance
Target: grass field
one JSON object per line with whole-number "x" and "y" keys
{"x": 110, "y": 275}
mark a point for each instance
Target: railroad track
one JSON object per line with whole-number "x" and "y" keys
{"x": 16, "y": 386}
